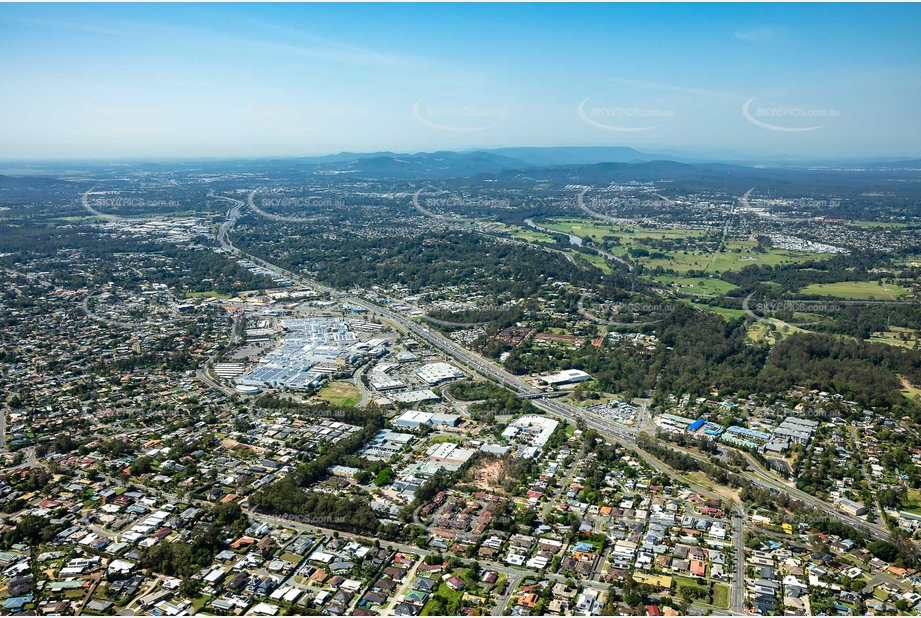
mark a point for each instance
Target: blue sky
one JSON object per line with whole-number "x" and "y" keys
{"x": 168, "y": 80}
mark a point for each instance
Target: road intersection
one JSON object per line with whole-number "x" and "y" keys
{"x": 611, "y": 430}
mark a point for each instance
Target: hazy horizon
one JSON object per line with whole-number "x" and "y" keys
{"x": 255, "y": 81}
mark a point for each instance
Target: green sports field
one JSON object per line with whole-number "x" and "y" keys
{"x": 856, "y": 290}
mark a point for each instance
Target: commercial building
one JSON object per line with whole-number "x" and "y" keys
{"x": 416, "y": 396}
{"x": 567, "y": 376}
{"x": 381, "y": 382}
{"x": 385, "y": 445}
{"x": 436, "y": 373}
{"x": 413, "y": 419}
{"x": 744, "y": 437}
{"x": 533, "y": 430}
{"x": 450, "y": 453}
{"x": 795, "y": 430}
{"x": 310, "y": 349}
{"x": 852, "y": 508}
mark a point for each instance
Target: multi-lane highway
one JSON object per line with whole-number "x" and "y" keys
{"x": 609, "y": 429}
{"x": 477, "y": 364}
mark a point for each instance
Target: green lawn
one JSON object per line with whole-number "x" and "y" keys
{"x": 891, "y": 225}
{"x": 720, "y": 595}
{"x": 522, "y": 233}
{"x": 857, "y": 290}
{"x": 687, "y": 285}
{"x": 208, "y": 294}
{"x": 729, "y": 314}
{"x": 452, "y": 596}
{"x": 340, "y": 394}
{"x": 530, "y": 235}
{"x": 200, "y": 602}
{"x": 687, "y": 581}
{"x": 292, "y": 558}
{"x": 738, "y": 255}
{"x": 595, "y": 260}
{"x": 910, "y": 391}
{"x": 893, "y": 337}
{"x": 587, "y": 228}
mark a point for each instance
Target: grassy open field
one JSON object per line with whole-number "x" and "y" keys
{"x": 340, "y": 394}
{"x": 691, "y": 582}
{"x": 520, "y": 232}
{"x": 910, "y": 391}
{"x": 856, "y": 290}
{"x": 893, "y": 337}
{"x": 292, "y": 558}
{"x": 720, "y": 595}
{"x": 452, "y": 596}
{"x": 597, "y": 231}
{"x": 714, "y": 287}
{"x": 885, "y": 225}
{"x": 530, "y": 235}
{"x": 729, "y": 314}
{"x": 595, "y": 260}
{"x": 208, "y": 294}
{"x": 200, "y": 602}
{"x": 738, "y": 255}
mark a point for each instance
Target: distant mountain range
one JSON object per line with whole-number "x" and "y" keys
{"x": 449, "y": 164}
{"x": 467, "y": 164}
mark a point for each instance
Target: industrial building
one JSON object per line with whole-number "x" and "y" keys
{"x": 228, "y": 370}
{"x": 674, "y": 423}
{"x": 385, "y": 445}
{"x": 436, "y": 373}
{"x": 416, "y": 396}
{"x": 744, "y": 437}
{"x": 413, "y": 419}
{"x": 567, "y": 376}
{"x": 534, "y": 430}
{"x": 311, "y": 349}
{"x": 795, "y": 430}
{"x": 381, "y": 382}
{"x": 852, "y": 508}
{"x": 450, "y": 453}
